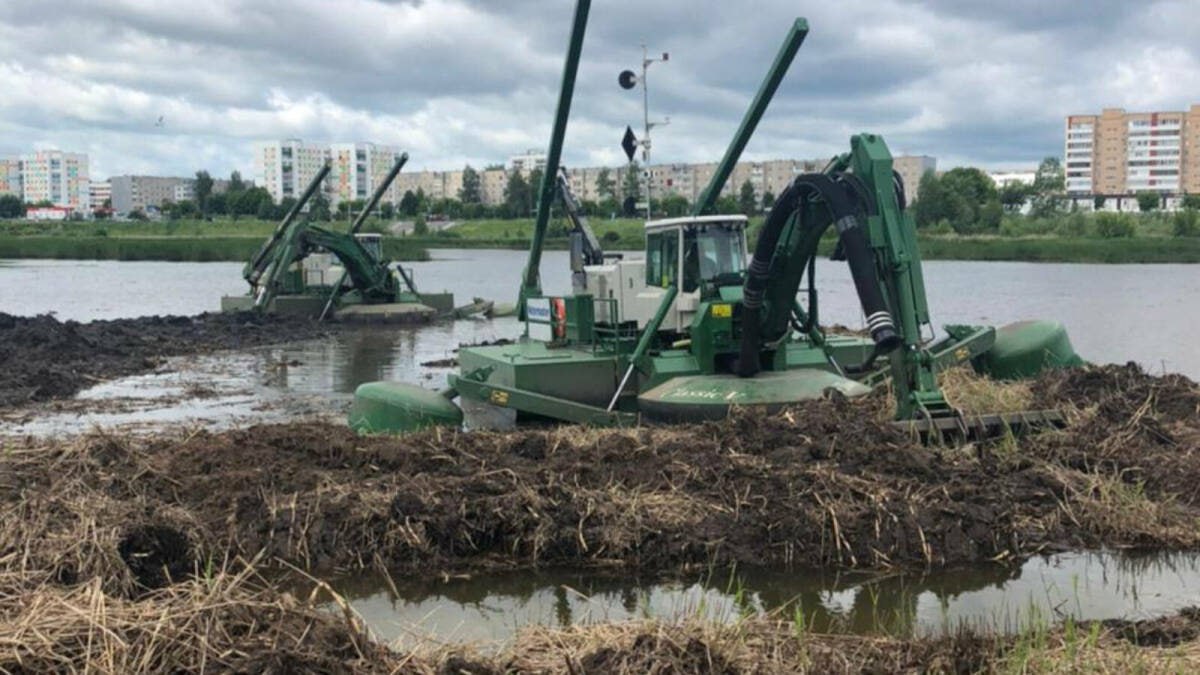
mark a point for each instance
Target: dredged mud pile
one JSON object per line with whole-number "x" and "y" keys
{"x": 824, "y": 484}
{"x": 42, "y": 358}
{"x": 118, "y": 537}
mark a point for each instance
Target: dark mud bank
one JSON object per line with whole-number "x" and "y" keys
{"x": 42, "y": 358}
{"x": 824, "y": 484}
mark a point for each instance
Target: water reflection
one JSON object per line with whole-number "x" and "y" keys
{"x": 493, "y": 607}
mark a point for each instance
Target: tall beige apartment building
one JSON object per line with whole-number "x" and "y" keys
{"x": 1117, "y": 153}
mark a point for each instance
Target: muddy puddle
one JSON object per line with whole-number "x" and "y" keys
{"x": 312, "y": 379}
{"x": 491, "y": 609}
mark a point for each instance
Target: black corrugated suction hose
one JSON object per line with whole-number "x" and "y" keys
{"x": 837, "y": 195}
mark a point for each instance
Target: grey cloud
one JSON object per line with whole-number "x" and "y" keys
{"x": 460, "y": 81}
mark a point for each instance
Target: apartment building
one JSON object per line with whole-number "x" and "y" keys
{"x": 139, "y": 193}
{"x": 286, "y": 167}
{"x": 357, "y": 169}
{"x": 99, "y": 192}
{"x": 1118, "y": 153}
{"x": 60, "y": 178}
{"x": 528, "y": 162}
{"x": 10, "y": 177}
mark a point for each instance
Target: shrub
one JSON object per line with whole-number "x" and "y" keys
{"x": 1114, "y": 225}
{"x": 1186, "y": 223}
{"x": 1075, "y": 225}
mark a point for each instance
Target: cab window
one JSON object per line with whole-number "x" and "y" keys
{"x": 662, "y": 255}
{"x": 711, "y": 250}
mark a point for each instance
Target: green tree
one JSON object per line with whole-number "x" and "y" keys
{"x": 726, "y": 204}
{"x": 266, "y": 210}
{"x": 535, "y": 184}
{"x": 674, "y": 206}
{"x": 218, "y": 203}
{"x": 285, "y": 205}
{"x": 318, "y": 207}
{"x": 1147, "y": 200}
{"x": 937, "y": 204}
{"x": 387, "y": 210}
{"x": 471, "y": 191}
{"x": 11, "y": 206}
{"x": 236, "y": 184}
{"x": 420, "y": 227}
{"x": 409, "y": 204}
{"x": 747, "y": 203}
{"x": 1191, "y": 202}
{"x": 180, "y": 210}
{"x": 517, "y": 195}
{"x": 606, "y": 187}
{"x": 1013, "y": 195}
{"x": 203, "y": 189}
{"x": 768, "y": 199}
{"x": 1049, "y": 184}
{"x": 970, "y": 191}
{"x": 631, "y": 182}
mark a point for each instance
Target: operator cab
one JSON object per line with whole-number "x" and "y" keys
{"x": 700, "y": 250}
{"x": 372, "y": 242}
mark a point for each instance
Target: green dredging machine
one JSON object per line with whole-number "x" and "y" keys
{"x": 308, "y": 270}
{"x": 692, "y": 330}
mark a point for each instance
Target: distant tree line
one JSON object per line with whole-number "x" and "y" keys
{"x": 966, "y": 201}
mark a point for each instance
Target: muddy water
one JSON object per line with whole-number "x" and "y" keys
{"x": 492, "y": 608}
{"x": 1114, "y": 313}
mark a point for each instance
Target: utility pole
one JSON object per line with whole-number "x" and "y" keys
{"x": 628, "y": 80}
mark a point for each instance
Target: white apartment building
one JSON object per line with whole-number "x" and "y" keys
{"x": 99, "y": 192}
{"x": 525, "y": 163}
{"x": 1006, "y": 178}
{"x": 60, "y": 178}
{"x": 286, "y": 167}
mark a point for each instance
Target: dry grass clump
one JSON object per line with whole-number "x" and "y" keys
{"x": 976, "y": 394}
{"x": 767, "y": 645}
{"x": 226, "y": 622}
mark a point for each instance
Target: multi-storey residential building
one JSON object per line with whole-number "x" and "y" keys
{"x": 357, "y": 169}
{"x": 139, "y": 193}
{"x": 60, "y": 178}
{"x": 285, "y": 168}
{"x": 492, "y": 184}
{"x": 1116, "y": 154}
{"x": 10, "y": 177}
{"x": 528, "y": 162}
{"x": 99, "y": 192}
{"x": 911, "y": 168}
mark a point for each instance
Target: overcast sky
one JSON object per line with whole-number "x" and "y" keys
{"x": 457, "y": 81}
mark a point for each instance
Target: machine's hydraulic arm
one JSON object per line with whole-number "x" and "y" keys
{"x": 592, "y": 253}
{"x": 370, "y": 277}
{"x": 266, "y": 257}
{"x": 380, "y": 190}
{"x": 531, "y": 280}
{"x": 860, "y": 195}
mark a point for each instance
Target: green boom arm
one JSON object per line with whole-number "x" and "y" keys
{"x": 370, "y": 277}
{"x": 531, "y": 280}
{"x": 858, "y": 193}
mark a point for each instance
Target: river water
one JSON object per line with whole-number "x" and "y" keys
{"x": 990, "y": 597}
{"x": 1114, "y": 313}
